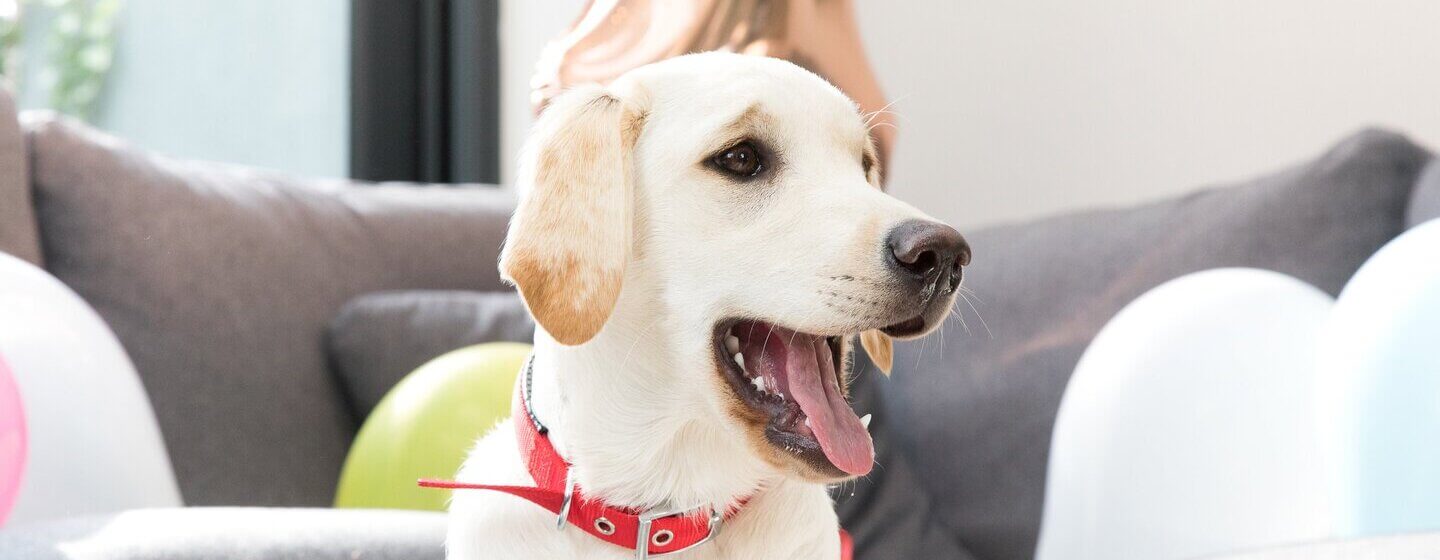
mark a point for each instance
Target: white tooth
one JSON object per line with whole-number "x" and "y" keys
{"x": 807, "y": 422}
{"x": 865, "y": 421}
{"x": 732, "y": 343}
{"x": 740, "y": 359}
{"x": 759, "y": 383}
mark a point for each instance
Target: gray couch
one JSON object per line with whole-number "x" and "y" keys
{"x": 266, "y": 316}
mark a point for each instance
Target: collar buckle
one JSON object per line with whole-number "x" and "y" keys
{"x": 642, "y": 534}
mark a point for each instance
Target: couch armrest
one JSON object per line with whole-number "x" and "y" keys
{"x": 1425, "y": 199}
{"x": 226, "y": 533}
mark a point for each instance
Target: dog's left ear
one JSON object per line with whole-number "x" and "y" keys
{"x": 880, "y": 348}
{"x": 570, "y": 237}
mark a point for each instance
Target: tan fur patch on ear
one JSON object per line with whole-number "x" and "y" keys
{"x": 881, "y": 349}
{"x": 570, "y": 299}
{"x": 570, "y": 238}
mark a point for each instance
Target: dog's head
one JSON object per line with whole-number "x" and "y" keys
{"x": 736, "y": 200}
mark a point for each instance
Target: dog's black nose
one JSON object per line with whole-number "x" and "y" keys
{"x": 928, "y": 250}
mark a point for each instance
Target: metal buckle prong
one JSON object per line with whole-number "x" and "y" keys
{"x": 564, "y": 518}
{"x": 642, "y": 534}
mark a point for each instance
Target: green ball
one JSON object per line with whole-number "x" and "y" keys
{"x": 425, "y": 425}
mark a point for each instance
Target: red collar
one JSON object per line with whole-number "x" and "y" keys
{"x": 649, "y": 533}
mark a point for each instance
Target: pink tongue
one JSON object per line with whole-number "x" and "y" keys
{"x": 812, "y": 383}
{"x": 809, "y": 378}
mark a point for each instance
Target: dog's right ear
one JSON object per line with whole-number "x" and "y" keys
{"x": 570, "y": 237}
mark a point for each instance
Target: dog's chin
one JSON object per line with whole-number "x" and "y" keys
{"x": 926, "y": 322}
{"x": 788, "y": 389}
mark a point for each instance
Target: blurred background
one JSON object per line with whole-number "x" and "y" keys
{"x": 1006, "y": 110}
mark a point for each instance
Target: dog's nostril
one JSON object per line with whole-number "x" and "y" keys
{"x": 927, "y": 249}
{"x": 922, "y": 264}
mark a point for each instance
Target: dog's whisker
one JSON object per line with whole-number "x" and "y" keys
{"x": 920, "y": 353}
{"x": 885, "y": 110}
{"x": 955, "y": 314}
{"x": 870, "y": 120}
{"x": 793, "y": 334}
{"x": 978, "y": 315}
{"x": 942, "y": 335}
{"x": 764, "y": 346}
{"x": 966, "y": 290}
{"x": 880, "y": 124}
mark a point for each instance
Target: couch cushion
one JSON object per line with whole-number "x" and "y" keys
{"x": 226, "y": 533}
{"x": 377, "y": 339}
{"x": 1425, "y": 202}
{"x": 18, "y": 235}
{"x": 219, "y": 281}
{"x": 977, "y": 409}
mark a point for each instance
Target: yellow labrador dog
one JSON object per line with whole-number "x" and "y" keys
{"x": 701, "y": 243}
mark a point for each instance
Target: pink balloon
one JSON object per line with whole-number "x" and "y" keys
{"x": 12, "y": 441}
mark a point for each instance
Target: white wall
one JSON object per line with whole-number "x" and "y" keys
{"x": 525, "y": 27}
{"x": 1023, "y": 108}
{"x": 258, "y": 82}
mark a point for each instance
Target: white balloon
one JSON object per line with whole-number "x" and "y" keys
{"x": 1187, "y": 428}
{"x": 1380, "y": 373}
{"x": 94, "y": 443}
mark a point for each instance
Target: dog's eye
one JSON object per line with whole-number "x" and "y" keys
{"x": 740, "y": 160}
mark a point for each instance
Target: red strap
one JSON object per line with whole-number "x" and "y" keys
{"x": 550, "y": 472}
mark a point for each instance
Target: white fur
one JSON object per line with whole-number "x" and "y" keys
{"x": 639, "y": 409}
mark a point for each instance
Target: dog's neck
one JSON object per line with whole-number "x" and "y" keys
{"x": 635, "y": 425}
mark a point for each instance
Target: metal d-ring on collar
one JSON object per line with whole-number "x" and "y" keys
{"x": 561, "y": 520}
{"x": 642, "y": 535}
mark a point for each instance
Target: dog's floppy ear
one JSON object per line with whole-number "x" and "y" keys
{"x": 880, "y": 348}
{"x": 570, "y": 237}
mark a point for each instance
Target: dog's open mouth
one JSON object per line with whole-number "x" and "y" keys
{"x": 796, "y": 382}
